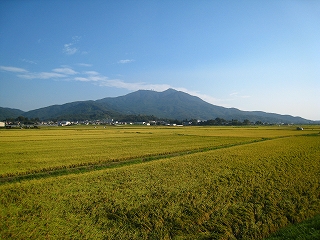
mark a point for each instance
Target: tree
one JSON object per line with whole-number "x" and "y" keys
{"x": 246, "y": 122}
{"x": 235, "y": 122}
{"x": 21, "y": 119}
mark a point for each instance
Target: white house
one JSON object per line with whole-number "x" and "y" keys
{"x": 64, "y": 123}
{"x": 2, "y": 124}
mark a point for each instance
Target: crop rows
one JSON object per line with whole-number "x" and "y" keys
{"x": 243, "y": 192}
{"x": 32, "y": 151}
{"x": 35, "y": 151}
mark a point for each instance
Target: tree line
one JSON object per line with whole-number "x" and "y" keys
{"x": 147, "y": 118}
{"x": 22, "y": 120}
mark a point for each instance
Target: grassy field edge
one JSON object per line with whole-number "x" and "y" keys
{"x": 305, "y": 230}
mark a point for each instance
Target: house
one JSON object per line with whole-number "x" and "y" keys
{"x": 2, "y": 124}
{"x": 140, "y": 123}
{"x": 64, "y": 123}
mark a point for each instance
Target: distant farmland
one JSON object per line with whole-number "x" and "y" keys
{"x": 157, "y": 182}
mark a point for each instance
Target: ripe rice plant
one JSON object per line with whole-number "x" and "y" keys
{"x": 242, "y": 192}
{"x": 31, "y": 151}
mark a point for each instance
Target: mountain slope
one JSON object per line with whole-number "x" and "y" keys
{"x": 9, "y": 113}
{"x": 72, "y": 111}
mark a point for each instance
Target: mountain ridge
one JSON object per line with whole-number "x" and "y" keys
{"x": 169, "y": 104}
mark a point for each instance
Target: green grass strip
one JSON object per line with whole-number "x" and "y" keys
{"x": 306, "y": 230}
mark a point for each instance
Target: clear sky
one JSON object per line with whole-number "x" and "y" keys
{"x": 251, "y": 55}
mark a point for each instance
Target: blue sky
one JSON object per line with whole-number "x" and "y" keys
{"x": 251, "y": 55}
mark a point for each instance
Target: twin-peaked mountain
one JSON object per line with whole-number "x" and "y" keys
{"x": 169, "y": 104}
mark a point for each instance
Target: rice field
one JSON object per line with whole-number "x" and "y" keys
{"x": 208, "y": 183}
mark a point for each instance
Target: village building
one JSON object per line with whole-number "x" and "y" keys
{"x": 64, "y": 123}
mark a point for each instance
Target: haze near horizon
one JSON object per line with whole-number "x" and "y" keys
{"x": 251, "y": 55}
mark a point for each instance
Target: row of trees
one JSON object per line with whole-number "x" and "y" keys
{"x": 221, "y": 122}
{"x": 159, "y": 121}
{"x": 195, "y": 122}
{"x": 233, "y": 122}
{"x": 22, "y": 120}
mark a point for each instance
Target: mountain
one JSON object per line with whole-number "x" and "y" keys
{"x": 169, "y": 104}
{"x": 9, "y": 113}
{"x": 173, "y": 104}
